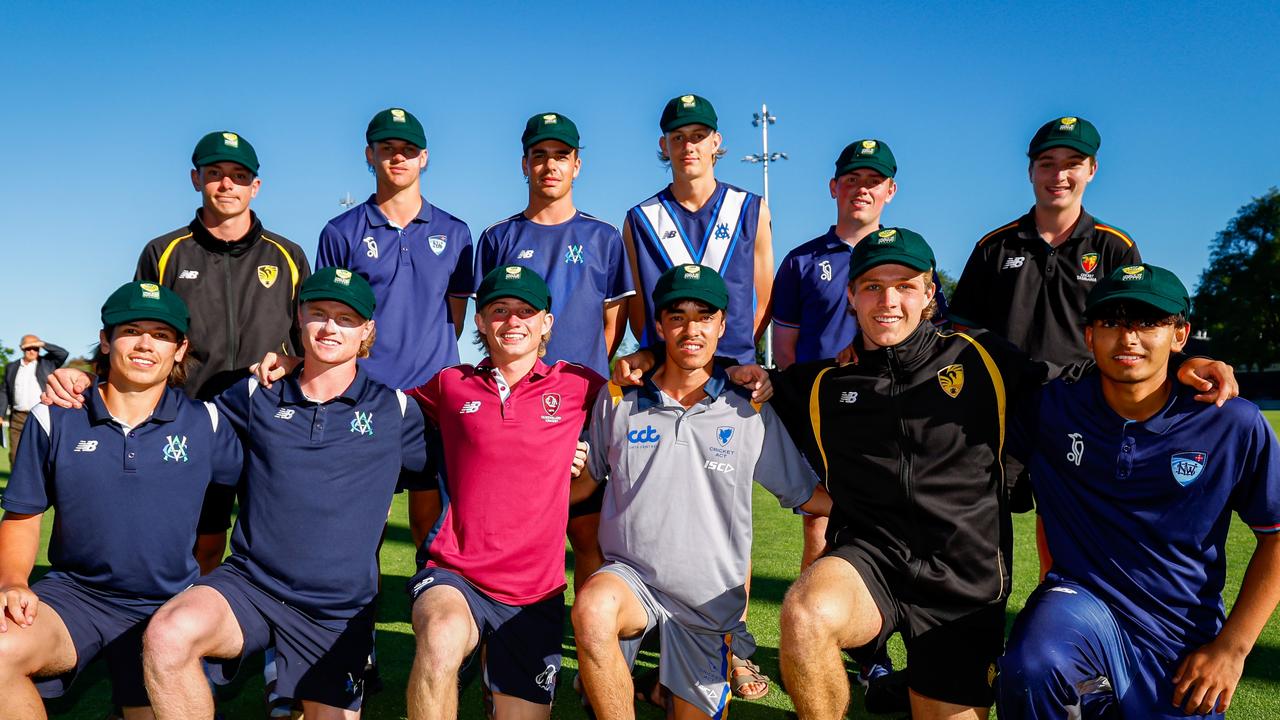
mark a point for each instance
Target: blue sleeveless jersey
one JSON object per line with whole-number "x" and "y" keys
{"x": 721, "y": 235}
{"x": 585, "y": 265}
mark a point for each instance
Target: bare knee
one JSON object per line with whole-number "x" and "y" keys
{"x": 595, "y": 618}
{"x": 443, "y": 638}
{"x": 171, "y": 637}
{"x": 17, "y": 654}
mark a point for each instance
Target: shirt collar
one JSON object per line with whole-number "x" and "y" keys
{"x": 540, "y": 368}
{"x": 1027, "y": 229}
{"x": 165, "y": 411}
{"x": 651, "y": 396}
{"x": 376, "y": 217}
{"x": 1160, "y": 423}
{"x": 291, "y": 390}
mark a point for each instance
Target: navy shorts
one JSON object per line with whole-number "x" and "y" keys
{"x": 317, "y": 659}
{"x": 1069, "y": 653}
{"x": 522, "y": 642}
{"x": 100, "y": 624}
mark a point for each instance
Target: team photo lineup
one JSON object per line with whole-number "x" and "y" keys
{"x": 223, "y": 477}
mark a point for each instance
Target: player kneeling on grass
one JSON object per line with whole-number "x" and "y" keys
{"x": 126, "y": 474}
{"x": 680, "y": 453}
{"x": 1135, "y": 483}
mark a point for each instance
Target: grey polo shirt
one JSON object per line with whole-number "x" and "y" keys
{"x": 677, "y": 508}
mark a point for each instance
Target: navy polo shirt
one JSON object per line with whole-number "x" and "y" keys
{"x": 319, "y": 478}
{"x": 126, "y": 500}
{"x": 1138, "y": 512}
{"x": 809, "y": 296}
{"x": 413, "y": 271}
{"x": 585, "y": 266}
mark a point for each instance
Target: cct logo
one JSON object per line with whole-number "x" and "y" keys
{"x": 647, "y": 436}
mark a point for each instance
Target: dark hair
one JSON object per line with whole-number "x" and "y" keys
{"x": 177, "y": 375}
{"x": 671, "y": 306}
{"x": 1124, "y": 311}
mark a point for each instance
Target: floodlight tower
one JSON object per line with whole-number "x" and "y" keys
{"x": 763, "y": 120}
{"x": 347, "y": 202}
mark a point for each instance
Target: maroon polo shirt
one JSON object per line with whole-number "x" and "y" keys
{"x": 507, "y": 474}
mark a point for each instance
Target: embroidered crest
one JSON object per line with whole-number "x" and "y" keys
{"x": 267, "y": 275}
{"x": 1089, "y": 262}
{"x": 176, "y": 448}
{"x": 1187, "y": 466}
{"x": 362, "y": 423}
{"x": 437, "y": 243}
{"x": 951, "y": 378}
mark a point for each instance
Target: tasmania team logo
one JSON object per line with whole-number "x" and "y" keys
{"x": 1187, "y": 466}
{"x": 267, "y": 275}
{"x": 951, "y": 378}
{"x": 1089, "y": 262}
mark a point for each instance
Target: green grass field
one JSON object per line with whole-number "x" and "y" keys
{"x": 776, "y": 554}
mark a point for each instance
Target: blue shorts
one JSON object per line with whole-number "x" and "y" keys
{"x": 100, "y": 624}
{"x": 522, "y": 642}
{"x": 1069, "y": 656}
{"x": 317, "y": 659}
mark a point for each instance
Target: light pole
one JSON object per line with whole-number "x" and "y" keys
{"x": 347, "y": 202}
{"x": 763, "y": 120}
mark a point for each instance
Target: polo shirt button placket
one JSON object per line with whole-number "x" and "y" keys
{"x": 317, "y": 425}
{"x": 130, "y": 452}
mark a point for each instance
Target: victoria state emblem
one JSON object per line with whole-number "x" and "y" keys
{"x": 267, "y": 275}
{"x": 951, "y": 378}
{"x": 1187, "y": 466}
{"x": 1089, "y": 262}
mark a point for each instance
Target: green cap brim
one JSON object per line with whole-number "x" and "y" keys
{"x": 1072, "y": 143}
{"x": 1172, "y": 306}
{"x": 536, "y": 302}
{"x": 346, "y": 299}
{"x": 220, "y": 157}
{"x": 119, "y": 317}
{"x": 889, "y": 258}
{"x": 869, "y": 163}
{"x": 716, "y": 300}
{"x": 394, "y": 134}
{"x": 551, "y": 136}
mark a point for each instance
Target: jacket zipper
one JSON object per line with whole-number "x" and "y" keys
{"x": 231, "y": 324}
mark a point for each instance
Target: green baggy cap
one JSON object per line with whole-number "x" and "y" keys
{"x": 687, "y": 110}
{"x": 1073, "y": 132}
{"x": 869, "y": 153}
{"x": 1147, "y": 284}
{"x": 691, "y": 282}
{"x": 224, "y": 146}
{"x": 145, "y": 301}
{"x": 514, "y": 281}
{"x": 891, "y": 246}
{"x": 342, "y": 285}
{"x": 396, "y": 124}
{"x": 550, "y": 126}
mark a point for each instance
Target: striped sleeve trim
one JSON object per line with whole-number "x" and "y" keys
{"x": 996, "y": 232}
{"x": 616, "y": 298}
{"x": 1120, "y": 234}
{"x": 1266, "y": 529}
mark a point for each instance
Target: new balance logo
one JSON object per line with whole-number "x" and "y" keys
{"x": 188, "y": 274}
{"x": 524, "y": 255}
{"x": 669, "y": 234}
{"x": 469, "y": 407}
{"x": 285, "y": 413}
{"x": 86, "y": 446}
{"x": 849, "y": 397}
{"x": 1013, "y": 262}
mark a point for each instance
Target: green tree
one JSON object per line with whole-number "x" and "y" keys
{"x": 6, "y": 354}
{"x": 948, "y": 282}
{"x": 1238, "y": 299}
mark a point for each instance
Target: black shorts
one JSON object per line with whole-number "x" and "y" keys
{"x": 591, "y": 505}
{"x": 215, "y": 513}
{"x": 952, "y": 648}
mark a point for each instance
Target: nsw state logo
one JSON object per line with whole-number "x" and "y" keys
{"x": 437, "y": 243}
{"x": 1187, "y": 466}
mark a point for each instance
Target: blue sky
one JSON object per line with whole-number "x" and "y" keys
{"x": 104, "y": 102}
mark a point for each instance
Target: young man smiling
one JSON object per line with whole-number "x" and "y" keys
{"x": 1135, "y": 485}
{"x": 585, "y": 267}
{"x": 126, "y": 474}
{"x": 493, "y": 581}
{"x": 681, "y": 453}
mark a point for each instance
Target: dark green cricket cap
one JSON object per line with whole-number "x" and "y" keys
{"x": 691, "y": 282}
{"x": 342, "y": 285}
{"x": 869, "y": 153}
{"x": 145, "y": 301}
{"x": 1072, "y": 132}
{"x": 224, "y": 146}
{"x": 891, "y": 246}
{"x": 396, "y": 124}
{"x": 550, "y": 126}
{"x": 687, "y": 110}
{"x": 1147, "y": 284}
{"x": 514, "y": 281}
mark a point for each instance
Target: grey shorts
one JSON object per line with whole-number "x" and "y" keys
{"x": 694, "y": 664}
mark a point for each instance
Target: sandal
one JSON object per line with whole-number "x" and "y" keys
{"x": 738, "y": 681}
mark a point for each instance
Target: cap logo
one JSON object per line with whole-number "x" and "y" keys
{"x": 868, "y": 147}
{"x": 397, "y": 115}
{"x": 231, "y": 139}
{"x": 1069, "y": 121}
{"x": 688, "y": 101}
{"x": 549, "y": 120}
{"x": 341, "y": 276}
{"x": 513, "y": 272}
{"x": 692, "y": 272}
{"x": 1067, "y": 124}
{"x": 150, "y": 291}
{"x": 1133, "y": 272}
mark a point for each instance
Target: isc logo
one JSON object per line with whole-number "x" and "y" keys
{"x": 647, "y": 435}
{"x": 723, "y": 467}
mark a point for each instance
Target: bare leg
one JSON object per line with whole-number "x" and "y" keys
{"x": 681, "y": 709}
{"x": 587, "y": 556}
{"x": 445, "y": 633}
{"x": 312, "y": 710}
{"x": 44, "y": 648}
{"x": 606, "y": 611}
{"x": 509, "y": 707}
{"x": 209, "y": 550}
{"x": 815, "y": 539}
{"x": 924, "y": 708}
{"x": 196, "y": 623}
{"x": 828, "y": 608}
{"x": 138, "y": 713}
{"x": 752, "y": 688}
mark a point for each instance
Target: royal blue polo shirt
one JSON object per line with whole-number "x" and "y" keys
{"x": 1138, "y": 512}
{"x": 126, "y": 500}
{"x": 809, "y": 296}
{"x": 414, "y": 271}
{"x": 721, "y": 235}
{"x": 319, "y": 478}
{"x": 585, "y": 266}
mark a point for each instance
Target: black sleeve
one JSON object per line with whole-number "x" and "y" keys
{"x": 966, "y": 306}
{"x": 148, "y": 265}
{"x": 791, "y": 391}
{"x": 55, "y": 354}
